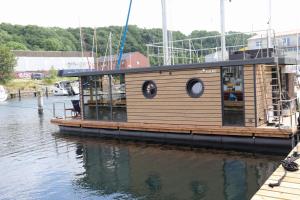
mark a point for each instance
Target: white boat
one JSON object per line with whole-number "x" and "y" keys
{"x": 75, "y": 87}
{"x": 64, "y": 88}
{"x": 3, "y": 94}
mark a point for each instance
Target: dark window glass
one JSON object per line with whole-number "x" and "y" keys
{"x": 195, "y": 87}
{"x": 149, "y": 89}
{"x": 104, "y": 98}
{"x": 119, "y": 111}
{"x": 233, "y": 95}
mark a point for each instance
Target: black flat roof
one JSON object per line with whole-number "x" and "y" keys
{"x": 271, "y": 60}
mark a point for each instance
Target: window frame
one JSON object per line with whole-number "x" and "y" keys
{"x": 144, "y": 92}
{"x": 189, "y": 85}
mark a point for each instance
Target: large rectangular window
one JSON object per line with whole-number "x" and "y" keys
{"x": 119, "y": 111}
{"x": 104, "y": 98}
{"x": 233, "y": 96}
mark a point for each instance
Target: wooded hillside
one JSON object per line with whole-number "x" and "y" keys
{"x": 32, "y": 37}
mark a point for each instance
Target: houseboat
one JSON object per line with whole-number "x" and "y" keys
{"x": 240, "y": 104}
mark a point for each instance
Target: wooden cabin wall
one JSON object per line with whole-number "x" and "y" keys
{"x": 249, "y": 94}
{"x": 172, "y": 104}
{"x": 263, "y": 92}
{"x": 291, "y": 85}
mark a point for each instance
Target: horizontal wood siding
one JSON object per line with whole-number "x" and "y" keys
{"x": 249, "y": 96}
{"x": 172, "y": 104}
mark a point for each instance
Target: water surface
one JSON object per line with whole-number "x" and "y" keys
{"x": 39, "y": 163}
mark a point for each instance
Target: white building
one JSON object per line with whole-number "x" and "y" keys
{"x": 286, "y": 42}
{"x": 33, "y": 61}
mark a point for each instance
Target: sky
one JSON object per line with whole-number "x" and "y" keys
{"x": 183, "y": 15}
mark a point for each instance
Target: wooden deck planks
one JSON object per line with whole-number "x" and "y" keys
{"x": 288, "y": 189}
{"x": 177, "y": 128}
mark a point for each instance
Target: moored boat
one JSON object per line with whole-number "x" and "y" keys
{"x": 3, "y": 94}
{"x": 64, "y": 88}
{"x": 240, "y": 103}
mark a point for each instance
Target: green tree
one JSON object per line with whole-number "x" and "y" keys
{"x": 37, "y": 38}
{"x": 52, "y": 76}
{"x": 52, "y": 73}
{"x": 52, "y": 44}
{"x": 15, "y": 45}
{"x": 7, "y": 64}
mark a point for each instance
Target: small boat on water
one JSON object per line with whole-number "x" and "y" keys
{"x": 66, "y": 88}
{"x": 3, "y": 94}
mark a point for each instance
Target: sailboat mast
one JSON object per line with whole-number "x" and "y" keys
{"x": 81, "y": 42}
{"x": 223, "y": 39}
{"x": 110, "y": 50}
{"x": 124, "y": 38}
{"x": 93, "y": 46}
{"x": 270, "y": 25}
{"x": 96, "y": 49}
{"x": 165, "y": 33}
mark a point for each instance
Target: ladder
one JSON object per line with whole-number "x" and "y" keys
{"x": 271, "y": 81}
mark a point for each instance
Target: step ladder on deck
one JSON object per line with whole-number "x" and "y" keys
{"x": 271, "y": 80}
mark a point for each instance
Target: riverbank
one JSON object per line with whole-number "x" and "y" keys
{"x": 28, "y": 87}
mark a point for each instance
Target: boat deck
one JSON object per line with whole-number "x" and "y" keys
{"x": 289, "y": 188}
{"x": 183, "y": 129}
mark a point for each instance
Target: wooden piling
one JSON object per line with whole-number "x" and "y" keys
{"x": 40, "y": 102}
{"x": 46, "y": 92}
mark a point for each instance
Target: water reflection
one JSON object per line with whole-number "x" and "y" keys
{"x": 152, "y": 172}
{"x": 38, "y": 163}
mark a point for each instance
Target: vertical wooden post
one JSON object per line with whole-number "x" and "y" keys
{"x": 19, "y": 93}
{"x": 40, "y": 102}
{"x": 47, "y": 92}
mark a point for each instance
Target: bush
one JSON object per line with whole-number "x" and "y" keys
{"x": 52, "y": 73}
{"x": 7, "y": 64}
{"x": 52, "y": 77}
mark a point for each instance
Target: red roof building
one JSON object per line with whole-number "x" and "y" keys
{"x": 129, "y": 60}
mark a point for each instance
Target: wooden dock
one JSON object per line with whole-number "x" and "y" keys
{"x": 288, "y": 189}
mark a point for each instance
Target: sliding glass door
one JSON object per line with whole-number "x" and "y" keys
{"x": 233, "y": 96}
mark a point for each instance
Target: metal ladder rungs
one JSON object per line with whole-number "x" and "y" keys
{"x": 271, "y": 72}
{"x": 272, "y": 83}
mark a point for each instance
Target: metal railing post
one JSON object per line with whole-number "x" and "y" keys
{"x": 64, "y": 111}
{"x": 291, "y": 118}
{"x": 54, "y": 109}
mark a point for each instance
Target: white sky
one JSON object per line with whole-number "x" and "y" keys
{"x": 183, "y": 15}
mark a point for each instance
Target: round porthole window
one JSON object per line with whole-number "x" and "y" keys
{"x": 195, "y": 87}
{"x": 149, "y": 89}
